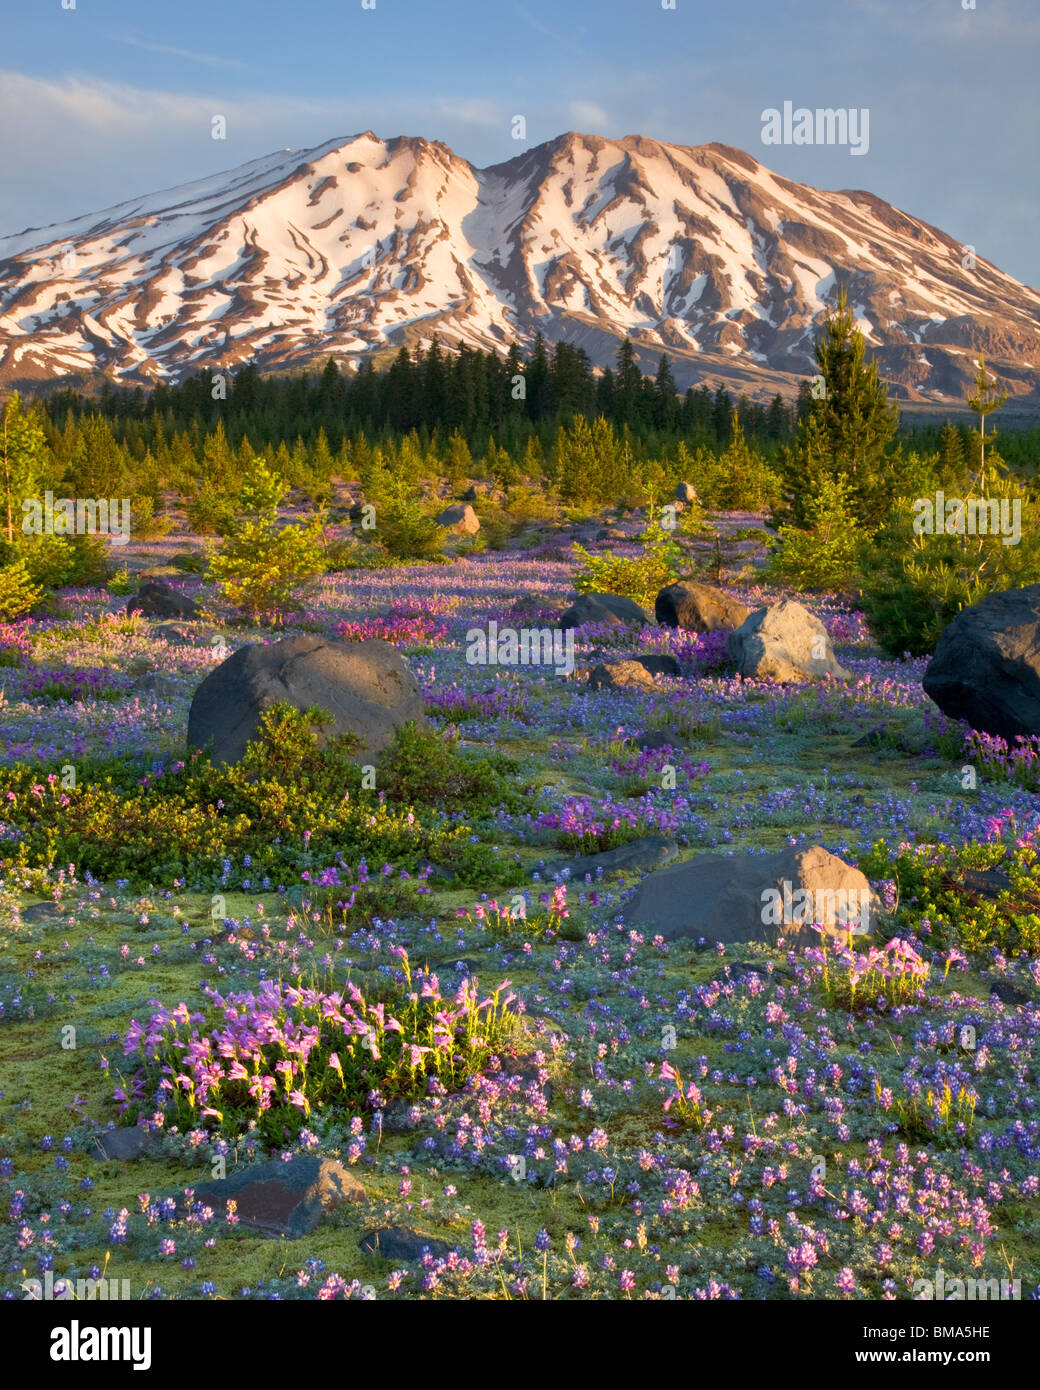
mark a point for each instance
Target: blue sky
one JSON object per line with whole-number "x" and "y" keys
{"x": 115, "y": 98}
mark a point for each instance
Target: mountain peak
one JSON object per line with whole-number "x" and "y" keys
{"x": 366, "y": 242}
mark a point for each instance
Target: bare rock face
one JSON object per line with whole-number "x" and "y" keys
{"x": 784, "y": 643}
{"x": 698, "y": 607}
{"x": 986, "y": 667}
{"x": 755, "y": 897}
{"x": 367, "y": 687}
{"x": 461, "y": 519}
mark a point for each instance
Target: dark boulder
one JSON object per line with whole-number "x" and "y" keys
{"x": 986, "y": 667}
{"x": 697, "y": 607}
{"x": 603, "y": 608}
{"x": 367, "y": 687}
{"x": 155, "y": 599}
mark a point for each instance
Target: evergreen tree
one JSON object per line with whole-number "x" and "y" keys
{"x": 777, "y": 419}
{"x": 23, "y": 446}
{"x": 666, "y": 409}
{"x": 721, "y": 414}
{"x": 983, "y": 403}
{"x": 628, "y": 381}
{"x": 848, "y": 429}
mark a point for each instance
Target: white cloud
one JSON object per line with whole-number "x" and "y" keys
{"x": 589, "y": 116}
{"x": 210, "y": 60}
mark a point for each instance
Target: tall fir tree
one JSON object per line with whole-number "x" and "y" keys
{"x": 848, "y": 429}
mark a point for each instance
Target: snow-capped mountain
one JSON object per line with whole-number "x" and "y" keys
{"x": 365, "y": 243}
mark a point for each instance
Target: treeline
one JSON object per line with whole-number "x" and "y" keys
{"x": 433, "y": 391}
{"x": 547, "y": 419}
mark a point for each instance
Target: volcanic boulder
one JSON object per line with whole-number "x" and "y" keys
{"x": 460, "y": 518}
{"x": 697, "y": 607}
{"x": 155, "y": 599}
{"x": 784, "y": 642}
{"x": 288, "y": 1199}
{"x": 616, "y": 675}
{"x": 602, "y": 608}
{"x": 366, "y": 687}
{"x": 755, "y": 897}
{"x": 986, "y": 667}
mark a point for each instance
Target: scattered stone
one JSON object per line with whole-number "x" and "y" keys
{"x": 399, "y": 1243}
{"x": 986, "y": 667}
{"x": 159, "y": 684}
{"x": 283, "y": 1199}
{"x": 986, "y": 883}
{"x": 612, "y": 533}
{"x": 157, "y": 600}
{"x": 742, "y": 897}
{"x": 784, "y": 642}
{"x": 367, "y": 687}
{"x": 620, "y": 675}
{"x": 356, "y": 512}
{"x": 603, "y": 608}
{"x": 1009, "y": 993}
{"x": 637, "y": 856}
{"x": 126, "y": 1144}
{"x": 660, "y": 664}
{"x": 698, "y": 607}
{"x": 184, "y": 633}
{"x": 47, "y": 912}
{"x": 652, "y": 739}
{"x": 461, "y": 519}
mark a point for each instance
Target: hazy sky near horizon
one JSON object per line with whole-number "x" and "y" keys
{"x": 112, "y": 99}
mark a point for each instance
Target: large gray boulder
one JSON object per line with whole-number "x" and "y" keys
{"x": 366, "y": 687}
{"x": 603, "y": 608}
{"x": 784, "y": 643}
{"x": 685, "y": 492}
{"x": 755, "y": 897}
{"x": 986, "y": 667}
{"x": 461, "y": 519}
{"x": 698, "y": 607}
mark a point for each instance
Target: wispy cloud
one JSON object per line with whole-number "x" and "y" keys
{"x": 590, "y": 115}
{"x": 209, "y": 60}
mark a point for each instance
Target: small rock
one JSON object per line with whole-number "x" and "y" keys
{"x": 283, "y": 1199}
{"x": 637, "y": 856}
{"x": 125, "y": 1143}
{"x": 660, "y": 664}
{"x": 184, "y": 634}
{"x": 47, "y": 912}
{"x": 1009, "y": 993}
{"x": 399, "y": 1243}
{"x": 987, "y": 883}
{"x": 619, "y": 675}
{"x": 652, "y": 739}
